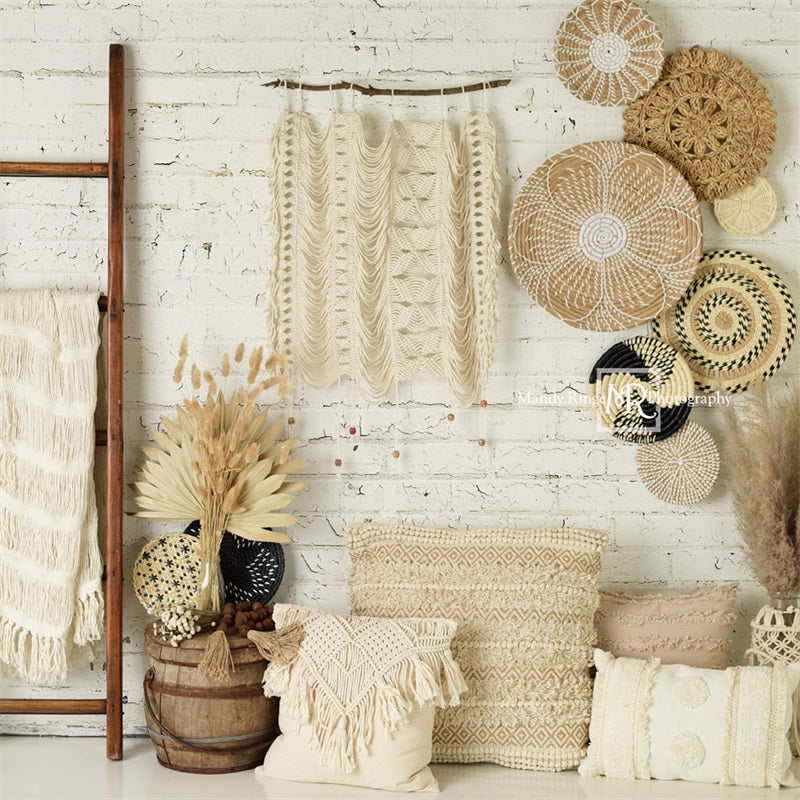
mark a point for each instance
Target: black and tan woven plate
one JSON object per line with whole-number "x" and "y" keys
{"x": 734, "y": 325}
{"x": 641, "y": 389}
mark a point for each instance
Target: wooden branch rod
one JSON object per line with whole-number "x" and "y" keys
{"x": 52, "y": 706}
{"x": 374, "y": 90}
{"x": 54, "y": 169}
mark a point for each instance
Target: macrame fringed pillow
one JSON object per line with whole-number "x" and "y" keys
{"x": 676, "y": 722}
{"x": 357, "y": 701}
{"x": 525, "y": 602}
{"x": 385, "y": 257}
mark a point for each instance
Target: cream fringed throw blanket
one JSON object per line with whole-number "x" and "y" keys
{"x": 50, "y": 565}
{"x": 386, "y": 255}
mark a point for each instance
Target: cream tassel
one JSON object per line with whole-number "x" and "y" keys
{"x": 279, "y": 647}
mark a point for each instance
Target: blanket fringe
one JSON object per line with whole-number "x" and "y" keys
{"x": 36, "y": 659}
{"x": 88, "y": 623}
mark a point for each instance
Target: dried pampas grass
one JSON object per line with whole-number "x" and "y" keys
{"x": 222, "y": 462}
{"x": 763, "y": 453}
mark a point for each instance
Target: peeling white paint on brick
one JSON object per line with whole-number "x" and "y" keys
{"x": 197, "y": 163}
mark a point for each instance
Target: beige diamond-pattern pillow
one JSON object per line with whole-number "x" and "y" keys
{"x": 525, "y": 602}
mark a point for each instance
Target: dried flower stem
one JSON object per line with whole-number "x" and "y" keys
{"x": 763, "y": 448}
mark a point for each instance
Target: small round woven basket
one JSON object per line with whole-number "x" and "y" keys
{"x": 735, "y": 324}
{"x": 605, "y": 235}
{"x": 641, "y": 390}
{"x": 749, "y": 211}
{"x": 608, "y": 52}
{"x": 681, "y": 469}
{"x": 708, "y": 115}
{"x": 166, "y": 573}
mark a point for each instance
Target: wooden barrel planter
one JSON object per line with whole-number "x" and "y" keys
{"x": 199, "y": 725}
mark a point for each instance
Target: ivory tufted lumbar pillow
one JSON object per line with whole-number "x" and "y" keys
{"x": 357, "y": 701}
{"x": 672, "y": 721}
{"x": 679, "y": 626}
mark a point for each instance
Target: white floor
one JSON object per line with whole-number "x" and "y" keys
{"x": 34, "y": 768}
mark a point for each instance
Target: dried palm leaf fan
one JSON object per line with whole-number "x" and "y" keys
{"x": 221, "y": 462}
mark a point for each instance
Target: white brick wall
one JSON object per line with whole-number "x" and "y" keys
{"x": 198, "y": 125}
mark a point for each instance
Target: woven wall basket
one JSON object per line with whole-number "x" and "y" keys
{"x": 735, "y": 324}
{"x": 166, "y": 572}
{"x": 250, "y": 570}
{"x": 710, "y": 117}
{"x": 641, "y": 388}
{"x": 605, "y": 235}
{"x": 681, "y": 469}
{"x": 749, "y": 211}
{"x": 608, "y": 52}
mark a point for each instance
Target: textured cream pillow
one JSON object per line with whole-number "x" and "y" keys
{"x": 357, "y": 700}
{"x": 673, "y": 721}
{"x": 678, "y": 626}
{"x": 525, "y": 602}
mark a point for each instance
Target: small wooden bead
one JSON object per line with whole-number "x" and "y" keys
{"x": 484, "y": 404}
{"x": 481, "y": 442}
{"x": 291, "y": 420}
{"x": 451, "y": 417}
{"x": 338, "y": 462}
{"x": 353, "y": 431}
{"x": 395, "y": 454}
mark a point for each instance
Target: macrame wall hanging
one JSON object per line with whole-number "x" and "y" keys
{"x": 387, "y": 253}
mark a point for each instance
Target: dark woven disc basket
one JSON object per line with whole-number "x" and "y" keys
{"x": 251, "y": 570}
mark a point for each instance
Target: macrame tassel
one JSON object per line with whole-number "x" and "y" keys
{"x": 453, "y": 683}
{"x": 338, "y": 751}
{"x": 217, "y": 661}
{"x": 280, "y": 647}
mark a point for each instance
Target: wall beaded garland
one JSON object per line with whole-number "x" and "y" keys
{"x": 605, "y": 235}
{"x": 608, "y": 52}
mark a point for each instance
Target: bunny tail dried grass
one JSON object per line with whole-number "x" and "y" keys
{"x": 763, "y": 454}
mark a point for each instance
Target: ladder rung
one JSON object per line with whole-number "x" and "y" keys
{"x": 52, "y": 706}
{"x": 55, "y": 169}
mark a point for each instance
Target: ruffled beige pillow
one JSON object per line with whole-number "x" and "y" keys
{"x": 678, "y": 626}
{"x": 357, "y": 701}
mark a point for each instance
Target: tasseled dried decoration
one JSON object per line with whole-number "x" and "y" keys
{"x": 279, "y": 647}
{"x": 217, "y": 661}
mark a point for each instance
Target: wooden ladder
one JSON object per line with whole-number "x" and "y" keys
{"x": 111, "y": 437}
